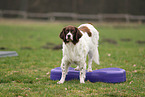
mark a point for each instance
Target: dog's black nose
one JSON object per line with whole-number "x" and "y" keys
{"x": 68, "y": 36}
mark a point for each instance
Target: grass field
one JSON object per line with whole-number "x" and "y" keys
{"x": 121, "y": 46}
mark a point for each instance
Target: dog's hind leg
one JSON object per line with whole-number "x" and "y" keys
{"x": 96, "y": 56}
{"x": 90, "y": 57}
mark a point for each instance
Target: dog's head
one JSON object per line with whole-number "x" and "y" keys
{"x": 70, "y": 34}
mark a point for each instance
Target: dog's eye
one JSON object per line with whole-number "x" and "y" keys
{"x": 67, "y": 31}
{"x": 72, "y": 31}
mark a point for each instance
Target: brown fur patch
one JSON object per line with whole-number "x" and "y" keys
{"x": 70, "y": 27}
{"x": 86, "y": 29}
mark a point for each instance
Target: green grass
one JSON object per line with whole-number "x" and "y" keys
{"x": 29, "y": 73}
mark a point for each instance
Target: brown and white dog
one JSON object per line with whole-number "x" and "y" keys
{"x": 77, "y": 44}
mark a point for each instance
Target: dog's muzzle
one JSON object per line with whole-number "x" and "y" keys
{"x": 69, "y": 37}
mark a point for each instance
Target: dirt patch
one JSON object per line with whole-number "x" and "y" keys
{"x": 140, "y": 42}
{"x": 2, "y": 48}
{"x": 57, "y": 47}
{"x": 46, "y": 47}
{"x": 26, "y": 48}
{"x": 111, "y": 41}
{"x": 52, "y": 46}
{"x": 125, "y": 39}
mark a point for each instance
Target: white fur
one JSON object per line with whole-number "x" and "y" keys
{"x": 77, "y": 54}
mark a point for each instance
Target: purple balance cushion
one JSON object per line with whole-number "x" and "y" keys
{"x": 108, "y": 75}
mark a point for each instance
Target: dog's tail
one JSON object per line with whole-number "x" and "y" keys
{"x": 96, "y": 56}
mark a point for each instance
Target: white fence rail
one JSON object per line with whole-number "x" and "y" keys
{"x": 52, "y": 16}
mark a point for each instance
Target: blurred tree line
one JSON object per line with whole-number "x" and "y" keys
{"x": 135, "y": 7}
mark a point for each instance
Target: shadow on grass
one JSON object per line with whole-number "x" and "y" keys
{"x": 114, "y": 95}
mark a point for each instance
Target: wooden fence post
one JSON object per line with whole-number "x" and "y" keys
{"x": 127, "y": 16}
{"x": 52, "y": 17}
{"x": 24, "y": 15}
{"x": 100, "y": 17}
{"x": 1, "y": 13}
{"x": 74, "y": 17}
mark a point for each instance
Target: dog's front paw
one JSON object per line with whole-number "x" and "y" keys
{"x": 60, "y": 82}
{"x": 82, "y": 82}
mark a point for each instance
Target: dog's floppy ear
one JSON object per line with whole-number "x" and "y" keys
{"x": 78, "y": 34}
{"x": 62, "y": 34}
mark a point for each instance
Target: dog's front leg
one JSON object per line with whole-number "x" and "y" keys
{"x": 82, "y": 73}
{"x": 64, "y": 68}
